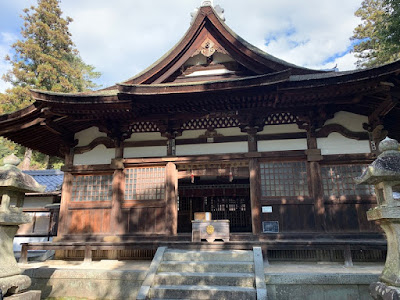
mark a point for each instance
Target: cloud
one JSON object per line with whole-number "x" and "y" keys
{"x": 122, "y": 37}
{"x": 6, "y": 39}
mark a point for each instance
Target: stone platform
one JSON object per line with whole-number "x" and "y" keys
{"x": 111, "y": 279}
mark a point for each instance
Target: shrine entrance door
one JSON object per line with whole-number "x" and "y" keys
{"x": 230, "y": 201}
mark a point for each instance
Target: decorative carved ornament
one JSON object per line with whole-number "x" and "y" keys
{"x": 210, "y": 133}
{"x": 116, "y": 130}
{"x": 208, "y": 48}
{"x": 328, "y": 129}
{"x": 210, "y": 229}
{"x": 213, "y": 165}
{"x": 313, "y": 120}
{"x": 106, "y": 141}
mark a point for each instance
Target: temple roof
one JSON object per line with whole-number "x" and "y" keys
{"x": 51, "y": 179}
{"x": 210, "y": 70}
{"x": 216, "y": 45}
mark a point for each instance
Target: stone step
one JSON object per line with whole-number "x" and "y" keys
{"x": 217, "y": 279}
{"x": 233, "y": 255}
{"x": 202, "y": 292}
{"x": 206, "y": 266}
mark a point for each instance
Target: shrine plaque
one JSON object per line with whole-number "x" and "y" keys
{"x": 270, "y": 226}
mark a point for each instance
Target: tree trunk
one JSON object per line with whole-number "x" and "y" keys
{"x": 47, "y": 164}
{"x": 26, "y": 163}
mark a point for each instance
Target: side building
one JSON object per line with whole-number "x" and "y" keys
{"x": 216, "y": 125}
{"x": 43, "y": 207}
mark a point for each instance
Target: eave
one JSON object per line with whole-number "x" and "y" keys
{"x": 284, "y": 79}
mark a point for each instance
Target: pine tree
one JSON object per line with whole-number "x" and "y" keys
{"x": 390, "y": 28}
{"x": 372, "y": 48}
{"x": 45, "y": 58}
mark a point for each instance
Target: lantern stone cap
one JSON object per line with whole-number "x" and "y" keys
{"x": 12, "y": 178}
{"x": 386, "y": 167}
{"x": 14, "y": 217}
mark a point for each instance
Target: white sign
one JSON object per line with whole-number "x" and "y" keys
{"x": 267, "y": 209}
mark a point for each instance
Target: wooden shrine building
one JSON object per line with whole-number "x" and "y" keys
{"x": 216, "y": 125}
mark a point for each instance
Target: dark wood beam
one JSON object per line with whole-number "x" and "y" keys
{"x": 21, "y": 126}
{"x": 383, "y": 109}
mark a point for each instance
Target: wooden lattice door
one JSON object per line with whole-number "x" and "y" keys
{"x": 225, "y": 202}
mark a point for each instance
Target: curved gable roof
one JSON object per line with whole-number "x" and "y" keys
{"x": 207, "y": 25}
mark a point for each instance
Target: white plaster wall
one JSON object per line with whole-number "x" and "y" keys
{"x": 191, "y": 134}
{"x": 212, "y": 148}
{"x": 348, "y": 120}
{"x": 145, "y": 136}
{"x": 35, "y": 202}
{"x": 282, "y": 145}
{"x": 230, "y": 131}
{"x": 156, "y": 151}
{"x": 335, "y": 143}
{"x": 97, "y": 156}
{"x": 286, "y": 128}
{"x": 85, "y": 137}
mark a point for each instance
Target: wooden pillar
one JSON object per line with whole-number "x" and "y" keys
{"x": 117, "y": 225}
{"x": 316, "y": 191}
{"x": 171, "y": 196}
{"x": 255, "y": 192}
{"x": 66, "y": 193}
{"x": 252, "y": 140}
{"x": 171, "y": 146}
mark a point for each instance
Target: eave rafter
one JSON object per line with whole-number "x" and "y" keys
{"x": 22, "y": 119}
{"x": 387, "y": 102}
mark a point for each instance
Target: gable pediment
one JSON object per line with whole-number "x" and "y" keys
{"x": 212, "y": 51}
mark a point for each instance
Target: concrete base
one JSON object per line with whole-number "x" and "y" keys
{"x": 86, "y": 283}
{"x": 122, "y": 279}
{"x": 381, "y": 291}
{"x": 29, "y": 295}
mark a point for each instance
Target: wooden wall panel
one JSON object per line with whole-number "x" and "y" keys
{"x": 365, "y": 225}
{"x": 94, "y": 221}
{"x": 341, "y": 218}
{"x": 292, "y": 217}
{"x": 149, "y": 220}
{"x": 349, "y": 217}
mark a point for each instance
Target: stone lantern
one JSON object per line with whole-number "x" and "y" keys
{"x": 384, "y": 174}
{"x": 13, "y": 186}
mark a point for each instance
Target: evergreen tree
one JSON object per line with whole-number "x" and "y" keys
{"x": 44, "y": 58}
{"x": 390, "y": 28}
{"x": 372, "y": 46}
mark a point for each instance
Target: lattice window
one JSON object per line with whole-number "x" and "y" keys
{"x": 92, "y": 188}
{"x": 338, "y": 180}
{"x": 145, "y": 183}
{"x": 280, "y": 118}
{"x": 144, "y": 127}
{"x": 210, "y": 123}
{"x": 284, "y": 179}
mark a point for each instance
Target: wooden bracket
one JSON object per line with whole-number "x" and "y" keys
{"x": 117, "y": 164}
{"x": 314, "y": 155}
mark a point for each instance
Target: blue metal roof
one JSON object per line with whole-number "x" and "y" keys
{"x": 52, "y": 179}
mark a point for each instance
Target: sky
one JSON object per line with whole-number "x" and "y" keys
{"x": 123, "y": 37}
